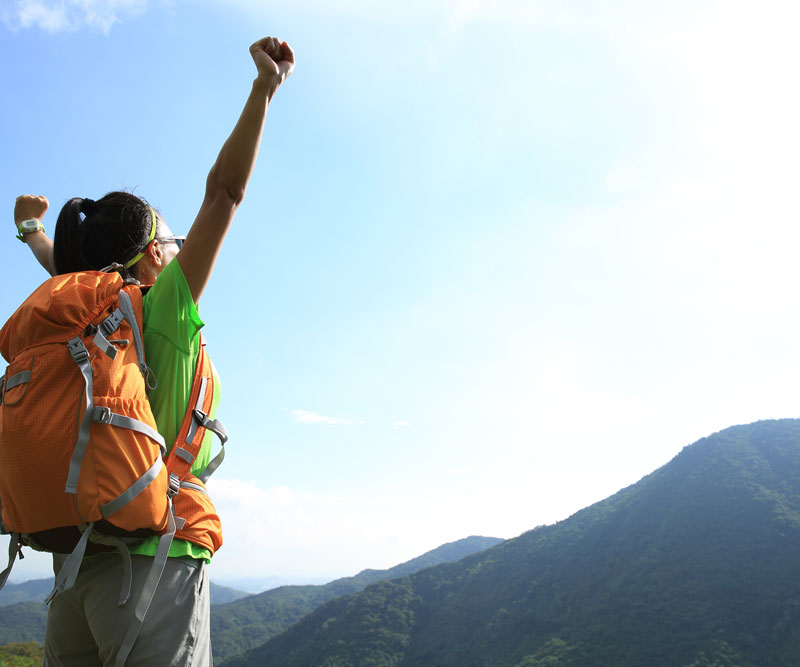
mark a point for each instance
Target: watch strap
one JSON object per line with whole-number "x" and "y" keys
{"x": 22, "y": 230}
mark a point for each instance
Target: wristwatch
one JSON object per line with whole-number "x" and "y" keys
{"x": 28, "y": 226}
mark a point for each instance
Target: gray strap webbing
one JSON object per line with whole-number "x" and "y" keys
{"x": 13, "y": 550}
{"x": 194, "y": 487}
{"x": 184, "y": 454}
{"x": 127, "y": 568}
{"x": 216, "y": 427}
{"x": 69, "y": 571}
{"x": 212, "y": 466}
{"x": 103, "y": 415}
{"x": 102, "y": 343}
{"x": 126, "y": 306}
{"x": 81, "y": 356}
{"x": 148, "y": 590}
{"x": 106, "y": 328}
{"x": 133, "y": 490}
{"x": 18, "y": 379}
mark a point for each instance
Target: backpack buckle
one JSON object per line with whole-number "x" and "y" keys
{"x": 78, "y": 350}
{"x": 173, "y": 485}
{"x": 101, "y": 414}
{"x": 109, "y": 325}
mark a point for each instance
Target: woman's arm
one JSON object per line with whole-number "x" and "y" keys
{"x": 33, "y": 207}
{"x": 228, "y": 178}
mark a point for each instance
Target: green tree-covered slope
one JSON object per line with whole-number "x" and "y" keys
{"x": 22, "y": 622}
{"x": 251, "y": 621}
{"x": 696, "y": 565}
{"x": 21, "y": 655}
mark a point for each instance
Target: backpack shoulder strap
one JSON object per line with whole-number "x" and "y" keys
{"x": 196, "y": 422}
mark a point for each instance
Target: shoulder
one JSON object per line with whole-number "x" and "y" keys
{"x": 169, "y": 301}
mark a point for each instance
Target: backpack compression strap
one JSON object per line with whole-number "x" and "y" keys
{"x": 13, "y": 551}
{"x": 148, "y": 590}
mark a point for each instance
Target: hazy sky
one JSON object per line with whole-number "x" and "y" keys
{"x": 497, "y": 260}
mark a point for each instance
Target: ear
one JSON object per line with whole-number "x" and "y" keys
{"x": 153, "y": 251}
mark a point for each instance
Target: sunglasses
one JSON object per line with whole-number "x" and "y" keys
{"x": 177, "y": 240}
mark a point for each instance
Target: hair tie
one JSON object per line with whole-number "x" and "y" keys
{"x": 88, "y": 206}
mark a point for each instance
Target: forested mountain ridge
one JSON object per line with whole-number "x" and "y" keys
{"x": 697, "y": 564}
{"x": 36, "y": 590}
{"x": 249, "y": 622}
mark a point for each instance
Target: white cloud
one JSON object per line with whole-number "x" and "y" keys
{"x": 283, "y": 531}
{"x": 62, "y": 15}
{"x": 307, "y": 417}
{"x": 400, "y": 424}
{"x": 300, "y": 535}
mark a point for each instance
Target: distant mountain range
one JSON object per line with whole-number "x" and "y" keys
{"x": 696, "y": 565}
{"x": 251, "y": 621}
{"x": 33, "y": 590}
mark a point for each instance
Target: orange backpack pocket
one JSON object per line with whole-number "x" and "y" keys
{"x": 115, "y": 460}
{"x": 37, "y": 423}
{"x": 193, "y": 504}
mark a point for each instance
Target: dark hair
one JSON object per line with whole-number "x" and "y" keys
{"x": 92, "y": 235}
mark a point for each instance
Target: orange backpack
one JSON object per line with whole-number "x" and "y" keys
{"x": 82, "y": 465}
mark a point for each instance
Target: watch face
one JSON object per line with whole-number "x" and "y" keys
{"x": 30, "y": 226}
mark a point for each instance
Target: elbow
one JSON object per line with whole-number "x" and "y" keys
{"x": 218, "y": 188}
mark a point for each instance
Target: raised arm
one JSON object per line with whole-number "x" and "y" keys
{"x": 33, "y": 207}
{"x": 228, "y": 178}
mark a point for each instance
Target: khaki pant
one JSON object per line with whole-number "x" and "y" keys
{"x": 85, "y": 625}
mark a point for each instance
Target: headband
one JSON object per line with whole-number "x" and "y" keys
{"x": 150, "y": 238}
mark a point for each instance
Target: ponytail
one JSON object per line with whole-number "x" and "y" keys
{"x": 91, "y": 235}
{"x": 68, "y": 240}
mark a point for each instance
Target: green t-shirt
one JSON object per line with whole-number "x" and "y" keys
{"x": 171, "y": 325}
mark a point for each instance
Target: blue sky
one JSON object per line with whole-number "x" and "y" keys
{"x": 497, "y": 259}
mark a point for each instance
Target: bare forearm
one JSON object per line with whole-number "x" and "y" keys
{"x": 42, "y": 248}
{"x": 237, "y": 158}
{"x": 225, "y": 188}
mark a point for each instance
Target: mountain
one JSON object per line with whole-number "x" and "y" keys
{"x": 33, "y": 590}
{"x": 225, "y": 595}
{"x": 251, "y": 621}
{"x": 259, "y": 584}
{"x": 698, "y": 564}
{"x": 22, "y": 622}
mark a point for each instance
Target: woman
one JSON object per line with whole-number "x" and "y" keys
{"x": 85, "y": 624}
